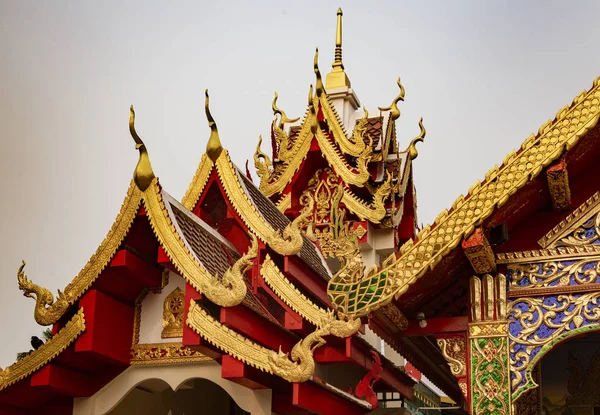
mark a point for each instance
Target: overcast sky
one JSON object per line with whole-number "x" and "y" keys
{"x": 483, "y": 74}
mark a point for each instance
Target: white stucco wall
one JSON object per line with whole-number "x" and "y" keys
{"x": 146, "y": 398}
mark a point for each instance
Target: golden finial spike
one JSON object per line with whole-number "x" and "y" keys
{"x": 213, "y": 147}
{"x": 338, "y": 41}
{"x": 143, "y": 174}
{"x": 412, "y": 148}
{"x": 277, "y": 111}
{"x": 394, "y": 107}
{"x": 337, "y": 78}
{"x": 319, "y": 84}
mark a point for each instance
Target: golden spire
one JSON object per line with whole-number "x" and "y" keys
{"x": 213, "y": 147}
{"x": 337, "y": 78}
{"x": 143, "y": 174}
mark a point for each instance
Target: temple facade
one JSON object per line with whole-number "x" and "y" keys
{"x": 306, "y": 288}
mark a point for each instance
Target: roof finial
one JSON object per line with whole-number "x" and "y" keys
{"x": 276, "y": 111}
{"x": 319, "y": 84}
{"x": 395, "y": 112}
{"x": 337, "y": 78}
{"x": 213, "y": 147}
{"x": 412, "y": 148}
{"x": 338, "y": 41}
{"x": 143, "y": 174}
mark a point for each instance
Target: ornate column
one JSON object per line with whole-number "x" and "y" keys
{"x": 489, "y": 392}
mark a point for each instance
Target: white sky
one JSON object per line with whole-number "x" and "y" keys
{"x": 484, "y": 75}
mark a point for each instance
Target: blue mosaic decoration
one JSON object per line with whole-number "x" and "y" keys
{"x": 537, "y": 324}
{"x": 555, "y": 273}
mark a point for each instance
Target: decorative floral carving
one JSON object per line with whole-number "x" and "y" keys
{"x": 454, "y": 350}
{"x": 555, "y": 273}
{"x": 165, "y": 353}
{"x": 536, "y": 324}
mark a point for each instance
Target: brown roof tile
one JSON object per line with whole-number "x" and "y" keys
{"x": 210, "y": 249}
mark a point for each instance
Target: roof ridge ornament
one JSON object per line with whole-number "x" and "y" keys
{"x": 143, "y": 174}
{"x": 276, "y": 111}
{"x": 337, "y": 78}
{"x": 319, "y": 84}
{"x": 213, "y": 147}
{"x": 412, "y": 148}
{"x": 394, "y": 106}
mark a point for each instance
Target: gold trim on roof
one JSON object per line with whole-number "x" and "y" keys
{"x": 227, "y": 340}
{"x": 574, "y": 220}
{"x": 289, "y": 294}
{"x": 42, "y": 356}
{"x": 449, "y": 228}
{"x": 46, "y": 312}
{"x": 284, "y": 203}
{"x": 288, "y": 242}
{"x": 227, "y": 293}
{"x": 192, "y": 195}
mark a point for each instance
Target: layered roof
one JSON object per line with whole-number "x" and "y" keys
{"x": 365, "y": 161}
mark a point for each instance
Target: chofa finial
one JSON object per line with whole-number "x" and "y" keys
{"x": 276, "y": 111}
{"x": 143, "y": 174}
{"x": 337, "y": 78}
{"x": 213, "y": 147}
{"x": 394, "y": 107}
{"x": 319, "y": 84}
{"x": 412, "y": 148}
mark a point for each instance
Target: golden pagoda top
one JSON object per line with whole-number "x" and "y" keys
{"x": 337, "y": 78}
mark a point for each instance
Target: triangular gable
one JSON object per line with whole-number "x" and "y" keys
{"x": 579, "y": 228}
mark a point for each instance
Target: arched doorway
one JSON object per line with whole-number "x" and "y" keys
{"x": 569, "y": 376}
{"x": 194, "y": 396}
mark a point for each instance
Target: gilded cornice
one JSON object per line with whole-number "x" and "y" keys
{"x": 42, "y": 356}
{"x": 573, "y": 221}
{"x": 165, "y": 354}
{"x": 48, "y": 312}
{"x": 450, "y": 227}
{"x": 198, "y": 183}
{"x": 563, "y": 252}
